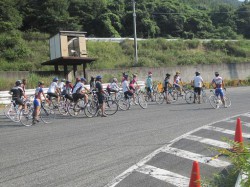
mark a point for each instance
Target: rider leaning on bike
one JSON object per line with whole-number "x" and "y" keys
{"x": 177, "y": 82}
{"x": 197, "y": 83}
{"x": 218, "y": 85}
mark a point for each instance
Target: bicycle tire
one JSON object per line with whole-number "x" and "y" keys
{"x": 142, "y": 101}
{"x": 123, "y": 104}
{"x": 47, "y": 115}
{"x": 204, "y": 97}
{"x": 26, "y": 119}
{"x": 189, "y": 97}
{"x": 111, "y": 107}
{"x": 159, "y": 98}
{"x": 13, "y": 114}
{"x": 213, "y": 100}
{"x": 62, "y": 108}
{"x": 73, "y": 109}
{"x": 91, "y": 108}
{"x": 227, "y": 101}
{"x": 6, "y": 109}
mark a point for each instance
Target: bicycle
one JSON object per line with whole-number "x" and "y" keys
{"x": 191, "y": 95}
{"x": 93, "y": 107}
{"x": 172, "y": 96}
{"x": 12, "y": 111}
{"x": 215, "y": 101}
{"x": 47, "y": 115}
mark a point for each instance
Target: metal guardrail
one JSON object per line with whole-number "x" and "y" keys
{"x": 5, "y": 97}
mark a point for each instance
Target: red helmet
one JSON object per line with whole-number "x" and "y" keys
{"x": 149, "y": 72}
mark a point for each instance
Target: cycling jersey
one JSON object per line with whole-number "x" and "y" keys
{"x": 149, "y": 82}
{"x": 125, "y": 86}
{"x": 177, "y": 79}
{"x": 79, "y": 86}
{"x": 38, "y": 92}
{"x": 114, "y": 86}
{"x": 17, "y": 92}
{"x": 67, "y": 89}
{"x": 198, "y": 81}
{"x": 52, "y": 88}
{"x": 218, "y": 82}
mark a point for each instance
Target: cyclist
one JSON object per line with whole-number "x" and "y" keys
{"x": 149, "y": 85}
{"x": 218, "y": 85}
{"x": 79, "y": 90}
{"x": 67, "y": 90}
{"x": 177, "y": 82}
{"x": 197, "y": 83}
{"x": 100, "y": 94}
{"x": 125, "y": 88}
{"x": 92, "y": 83}
{"x": 17, "y": 94}
{"x": 61, "y": 84}
{"x": 37, "y": 101}
{"x": 166, "y": 84}
{"x": 133, "y": 82}
{"x": 113, "y": 87}
{"x": 54, "y": 90}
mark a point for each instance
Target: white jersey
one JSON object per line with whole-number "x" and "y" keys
{"x": 125, "y": 86}
{"x": 61, "y": 85}
{"x": 114, "y": 86}
{"x": 198, "y": 81}
{"x": 78, "y": 85}
{"x": 52, "y": 88}
{"x": 218, "y": 82}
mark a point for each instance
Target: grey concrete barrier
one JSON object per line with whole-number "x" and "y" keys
{"x": 5, "y": 97}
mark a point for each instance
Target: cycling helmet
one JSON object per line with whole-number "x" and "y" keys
{"x": 98, "y": 77}
{"x": 197, "y": 73}
{"x": 55, "y": 79}
{"x": 134, "y": 75}
{"x": 216, "y": 74}
{"x": 83, "y": 79}
{"x": 177, "y": 72}
{"x": 40, "y": 83}
{"x": 67, "y": 81}
{"x": 63, "y": 80}
{"x": 150, "y": 72}
{"x": 126, "y": 76}
{"x": 114, "y": 79}
{"x": 18, "y": 82}
{"x": 167, "y": 75}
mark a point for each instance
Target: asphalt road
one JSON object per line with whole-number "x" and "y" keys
{"x": 92, "y": 152}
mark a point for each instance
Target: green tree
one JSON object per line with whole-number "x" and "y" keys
{"x": 10, "y": 18}
{"x": 243, "y": 20}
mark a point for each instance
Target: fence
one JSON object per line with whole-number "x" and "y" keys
{"x": 5, "y": 97}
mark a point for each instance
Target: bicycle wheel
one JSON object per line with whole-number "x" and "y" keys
{"x": 227, "y": 101}
{"x": 214, "y": 101}
{"x": 47, "y": 115}
{"x": 204, "y": 97}
{"x": 26, "y": 119}
{"x": 13, "y": 114}
{"x": 111, "y": 107}
{"x": 173, "y": 96}
{"x": 189, "y": 97}
{"x": 62, "y": 108}
{"x": 142, "y": 101}
{"x": 6, "y": 109}
{"x": 73, "y": 109}
{"x": 159, "y": 98}
{"x": 91, "y": 108}
{"x": 123, "y": 103}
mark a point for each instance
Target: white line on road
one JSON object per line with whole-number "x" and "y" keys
{"x": 208, "y": 141}
{"x": 196, "y": 157}
{"x": 226, "y": 131}
{"x": 164, "y": 175}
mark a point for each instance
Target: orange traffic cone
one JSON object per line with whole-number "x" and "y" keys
{"x": 238, "y": 132}
{"x": 195, "y": 180}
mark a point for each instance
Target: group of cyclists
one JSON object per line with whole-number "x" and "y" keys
{"x": 128, "y": 87}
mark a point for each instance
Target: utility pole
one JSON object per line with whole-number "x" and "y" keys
{"x": 135, "y": 35}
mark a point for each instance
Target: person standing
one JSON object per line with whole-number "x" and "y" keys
{"x": 177, "y": 82}
{"x": 218, "y": 85}
{"x": 17, "y": 95}
{"x": 100, "y": 94}
{"x": 149, "y": 85}
{"x": 197, "y": 83}
{"x": 166, "y": 84}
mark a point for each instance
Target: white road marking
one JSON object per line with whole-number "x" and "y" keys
{"x": 196, "y": 157}
{"x": 164, "y": 175}
{"x": 126, "y": 173}
{"x": 226, "y": 131}
{"x": 208, "y": 141}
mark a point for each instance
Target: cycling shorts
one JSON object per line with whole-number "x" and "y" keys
{"x": 100, "y": 98}
{"x": 150, "y": 89}
{"x": 52, "y": 95}
{"x": 127, "y": 94}
{"x": 177, "y": 86}
{"x": 37, "y": 103}
{"x": 197, "y": 90}
{"x": 19, "y": 101}
{"x": 219, "y": 91}
{"x": 77, "y": 96}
